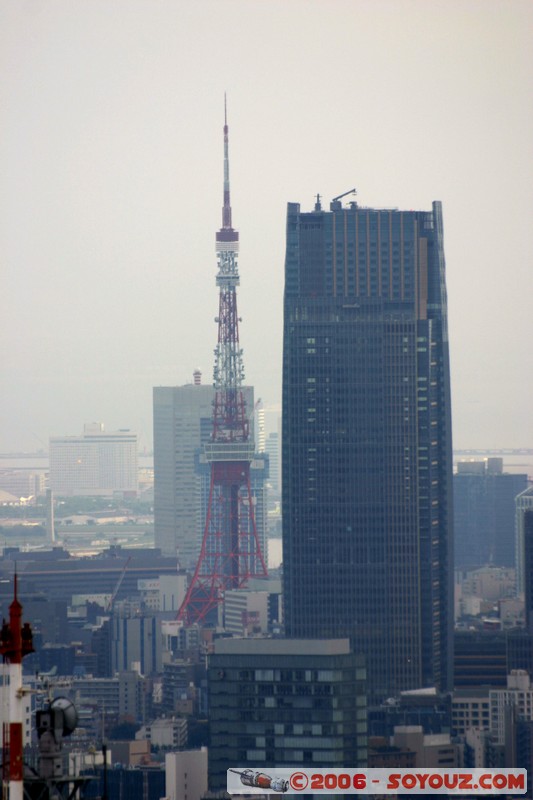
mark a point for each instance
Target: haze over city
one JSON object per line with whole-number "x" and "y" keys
{"x": 111, "y": 153}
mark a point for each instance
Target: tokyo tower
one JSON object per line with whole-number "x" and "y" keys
{"x": 230, "y": 552}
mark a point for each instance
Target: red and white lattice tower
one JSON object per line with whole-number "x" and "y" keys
{"x": 231, "y": 551}
{"x": 15, "y": 643}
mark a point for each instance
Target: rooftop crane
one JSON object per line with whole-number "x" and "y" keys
{"x": 109, "y": 604}
{"x": 340, "y": 196}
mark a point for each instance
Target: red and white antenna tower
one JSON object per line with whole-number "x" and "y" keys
{"x": 230, "y": 552}
{"x": 15, "y": 643}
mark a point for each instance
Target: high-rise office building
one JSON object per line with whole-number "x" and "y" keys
{"x": 523, "y": 506}
{"x": 527, "y": 565}
{"x": 367, "y": 460}
{"x": 484, "y": 513}
{"x": 136, "y": 643}
{"x": 183, "y": 424}
{"x": 96, "y": 463}
{"x": 272, "y": 448}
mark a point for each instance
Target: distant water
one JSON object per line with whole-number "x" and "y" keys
{"x": 516, "y": 462}
{"x": 38, "y": 462}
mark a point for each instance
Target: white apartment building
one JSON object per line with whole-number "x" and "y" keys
{"x": 165, "y": 593}
{"x": 165, "y": 732}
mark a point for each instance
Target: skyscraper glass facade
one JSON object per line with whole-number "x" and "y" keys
{"x": 366, "y": 443}
{"x": 281, "y": 702}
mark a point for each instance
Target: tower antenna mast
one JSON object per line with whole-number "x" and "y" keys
{"x": 230, "y": 552}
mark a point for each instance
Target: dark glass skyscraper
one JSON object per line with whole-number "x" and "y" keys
{"x": 484, "y": 514}
{"x": 367, "y": 461}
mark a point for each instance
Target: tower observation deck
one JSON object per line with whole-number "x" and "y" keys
{"x": 230, "y": 552}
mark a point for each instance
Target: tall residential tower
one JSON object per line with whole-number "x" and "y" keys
{"x": 367, "y": 462}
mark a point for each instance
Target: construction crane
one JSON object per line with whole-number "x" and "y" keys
{"x": 109, "y": 604}
{"x": 344, "y": 194}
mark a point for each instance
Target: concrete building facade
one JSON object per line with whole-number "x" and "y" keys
{"x": 470, "y": 709}
{"x": 518, "y": 693}
{"x": 246, "y": 612}
{"x": 137, "y": 644}
{"x": 186, "y": 774}
{"x": 169, "y": 733}
{"x": 96, "y": 463}
{"x": 182, "y": 425}
{"x": 432, "y": 750}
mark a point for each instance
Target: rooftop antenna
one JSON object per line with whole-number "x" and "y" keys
{"x": 226, "y": 210}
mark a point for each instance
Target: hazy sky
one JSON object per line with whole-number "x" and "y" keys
{"x": 111, "y": 188}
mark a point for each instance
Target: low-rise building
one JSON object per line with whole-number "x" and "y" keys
{"x": 124, "y": 696}
{"x": 21, "y": 484}
{"x": 245, "y": 612}
{"x": 424, "y": 706}
{"x": 165, "y": 732}
{"x": 130, "y": 753}
{"x": 383, "y": 755}
{"x": 432, "y": 750}
{"x": 476, "y": 747}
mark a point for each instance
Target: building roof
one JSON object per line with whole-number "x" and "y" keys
{"x": 267, "y": 646}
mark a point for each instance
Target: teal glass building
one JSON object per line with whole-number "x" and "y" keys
{"x": 366, "y": 443}
{"x": 285, "y": 703}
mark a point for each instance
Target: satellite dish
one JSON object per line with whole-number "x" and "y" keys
{"x": 70, "y": 715}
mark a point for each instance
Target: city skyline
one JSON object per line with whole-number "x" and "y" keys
{"x": 108, "y": 155}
